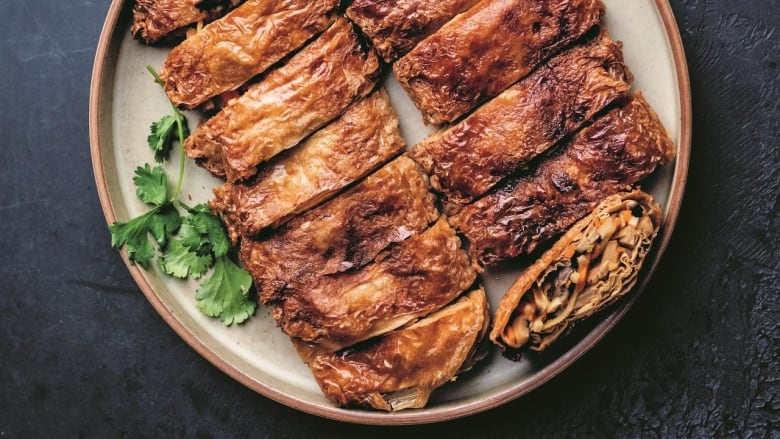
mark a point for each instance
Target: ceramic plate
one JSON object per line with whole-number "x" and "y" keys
{"x": 125, "y": 101}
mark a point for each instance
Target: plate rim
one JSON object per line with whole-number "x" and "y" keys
{"x": 428, "y": 415}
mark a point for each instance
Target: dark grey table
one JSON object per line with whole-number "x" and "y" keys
{"x": 83, "y": 354}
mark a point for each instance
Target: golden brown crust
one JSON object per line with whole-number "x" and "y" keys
{"x": 228, "y": 52}
{"x": 400, "y": 369}
{"x": 561, "y": 257}
{"x": 481, "y": 52}
{"x": 616, "y": 151}
{"x": 315, "y": 86}
{"x": 155, "y": 20}
{"x": 411, "y": 280}
{"x": 362, "y": 139}
{"x": 467, "y": 159}
{"x": 343, "y": 234}
{"x": 396, "y": 26}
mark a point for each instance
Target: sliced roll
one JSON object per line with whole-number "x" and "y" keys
{"x": 408, "y": 281}
{"x": 401, "y": 369}
{"x": 590, "y": 267}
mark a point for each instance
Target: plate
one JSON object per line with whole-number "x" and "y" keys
{"x": 124, "y": 101}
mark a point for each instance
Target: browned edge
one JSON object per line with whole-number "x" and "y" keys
{"x": 428, "y": 415}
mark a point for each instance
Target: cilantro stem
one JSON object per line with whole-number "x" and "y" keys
{"x": 180, "y": 132}
{"x": 183, "y": 205}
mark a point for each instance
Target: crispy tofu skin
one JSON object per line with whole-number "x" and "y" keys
{"x": 362, "y": 139}
{"x": 401, "y": 369}
{"x": 481, "y": 52}
{"x": 228, "y": 52}
{"x": 616, "y": 151}
{"x": 396, "y": 26}
{"x": 467, "y": 159}
{"x": 591, "y": 266}
{"x": 343, "y": 234}
{"x": 157, "y": 20}
{"x": 314, "y": 87}
{"x": 410, "y": 280}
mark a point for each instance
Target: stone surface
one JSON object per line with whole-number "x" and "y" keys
{"x": 83, "y": 354}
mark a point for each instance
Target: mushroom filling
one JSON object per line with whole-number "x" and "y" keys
{"x": 594, "y": 270}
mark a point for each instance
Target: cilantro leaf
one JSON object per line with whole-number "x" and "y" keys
{"x": 179, "y": 261}
{"x": 164, "y": 224}
{"x": 151, "y": 184}
{"x": 225, "y": 293}
{"x": 163, "y": 134}
{"x": 203, "y": 233}
{"x": 161, "y": 222}
{"x": 133, "y": 235}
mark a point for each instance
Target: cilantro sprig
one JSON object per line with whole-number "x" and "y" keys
{"x": 190, "y": 245}
{"x": 161, "y": 221}
{"x": 161, "y": 137}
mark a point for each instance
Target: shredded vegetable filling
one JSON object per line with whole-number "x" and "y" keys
{"x": 591, "y": 274}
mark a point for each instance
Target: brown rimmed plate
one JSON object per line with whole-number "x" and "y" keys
{"x": 124, "y": 101}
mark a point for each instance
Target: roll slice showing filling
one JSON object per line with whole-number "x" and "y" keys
{"x": 594, "y": 264}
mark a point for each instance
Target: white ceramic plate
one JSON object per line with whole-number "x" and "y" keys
{"x": 125, "y": 101}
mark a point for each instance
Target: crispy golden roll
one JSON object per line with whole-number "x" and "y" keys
{"x": 401, "y": 369}
{"x": 155, "y": 20}
{"x": 314, "y": 87}
{"x": 396, "y": 26}
{"x": 469, "y": 158}
{"x": 362, "y": 139}
{"x": 481, "y": 52}
{"x": 247, "y": 41}
{"x": 617, "y": 150}
{"x": 410, "y": 280}
{"x": 590, "y": 267}
{"x": 344, "y": 233}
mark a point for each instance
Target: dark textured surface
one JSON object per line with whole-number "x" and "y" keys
{"x": 83, "y": 354}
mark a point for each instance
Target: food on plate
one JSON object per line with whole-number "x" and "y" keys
{"x": 396, "y": 26}
{"x": 155, "y": 20}
{"x": 362, "y": 139}
{"x": 401, "y": 369}
{"x": 467, "y": 159}
{"x": 591, "y": 266}
{"x": 344, "y": 233}
{"x": 341, "y": 230}
{"x": 617, "y": 150}
{"x": 481, "y": 52}
{"x": 314, "y": 87}
{"x": 406, "y": 282}
{"x": 231, "y": 50}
